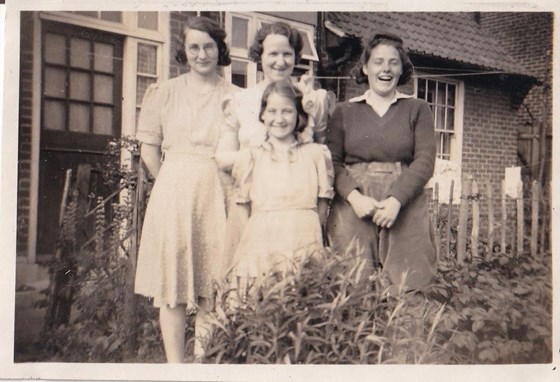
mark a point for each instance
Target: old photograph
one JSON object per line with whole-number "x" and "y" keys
{"x": 263, "y": 192}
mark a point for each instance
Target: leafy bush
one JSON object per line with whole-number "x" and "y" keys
{"x": 326, "y": 312}
{"x": 496, "y": 311}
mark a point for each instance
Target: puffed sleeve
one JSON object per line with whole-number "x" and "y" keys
{"x": 316, "y": 104}
{"x": 243, "y": 176}
{"x": 149, "y": 122}
{"x": 325, "y": 171}
{"x": 344, "y": 182}
{"x": 231, "y": 123}
{"x": 228, "y": 144}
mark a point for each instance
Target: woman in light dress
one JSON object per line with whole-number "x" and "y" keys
{"x": 184, "y": 226}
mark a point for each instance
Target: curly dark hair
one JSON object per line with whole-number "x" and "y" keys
{"x": 214, "y": 30}
{"x": 294, "y": 38}
{"x": 385, "y": 39}
{"x": 285, "y": 88}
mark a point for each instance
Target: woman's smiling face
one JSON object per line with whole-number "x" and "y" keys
{"x": 278, "y": 57}
{"x": 383, "y": 69}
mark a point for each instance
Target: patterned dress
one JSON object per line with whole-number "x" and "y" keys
{"x": 184, "y": 226}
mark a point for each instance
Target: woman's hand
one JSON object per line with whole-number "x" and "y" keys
{"x": 387, "y": 212}
{"x": 362, "y": 205}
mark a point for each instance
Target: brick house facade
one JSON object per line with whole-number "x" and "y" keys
{"x": 463, "y": 49}
{"x": 527, "y": 36}
{"x": 489, "y": 117}
{"x": 149, "y": 43}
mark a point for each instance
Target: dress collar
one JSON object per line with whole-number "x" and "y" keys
{"x": 366, "y": 97}
{"x": 268, "y": 146}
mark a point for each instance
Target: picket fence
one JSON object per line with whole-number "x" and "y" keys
{"x": 526, "y": 216}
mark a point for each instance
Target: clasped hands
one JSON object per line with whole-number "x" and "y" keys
{"x": 383, "y": 213}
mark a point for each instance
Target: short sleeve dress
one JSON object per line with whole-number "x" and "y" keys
{"x": 184, "y": 226}
{"x": 283, "y": 193}
{"x": 244, "y": 107}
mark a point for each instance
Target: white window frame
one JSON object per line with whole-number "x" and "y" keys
{"x": 255, "y": 23}
{"x": 239, "y": 54}
{"x": 132, "y": 35}
{"x": 456, "y": 141}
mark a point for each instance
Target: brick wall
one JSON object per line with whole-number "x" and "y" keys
{"x": 24, "y": 138}
{"x": 527, "y": 36}
{"x": 489, "y": 135}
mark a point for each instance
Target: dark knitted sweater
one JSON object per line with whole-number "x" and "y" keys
{"x": 356, "y": 133}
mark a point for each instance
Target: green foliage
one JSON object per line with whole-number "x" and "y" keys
{"x": 500, "y": 310}
{"x": 327, "y": 312}
{"x": 96, "y": 332}
{"x": 496, "y": 311}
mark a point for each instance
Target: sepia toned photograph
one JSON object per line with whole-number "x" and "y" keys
{"x": 200, "y": 188}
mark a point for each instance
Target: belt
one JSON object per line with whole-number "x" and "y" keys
{"x": 380, "y": 167}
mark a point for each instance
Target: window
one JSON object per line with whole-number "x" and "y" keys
{"x": 241, "y": 27}
{"x": 444, "y": 99}
{"x": 69, "y": 87}
{"x": 146, "y": 72}
{"x": 78, "y": 83}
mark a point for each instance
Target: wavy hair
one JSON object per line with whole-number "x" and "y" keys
{"x": 214, "y": 30}
{"x": 292, "y": 34}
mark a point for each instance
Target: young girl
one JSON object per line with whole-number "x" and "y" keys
{"x": 284, "y": 185}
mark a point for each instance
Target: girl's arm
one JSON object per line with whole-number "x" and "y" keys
{"x": 151, "y": 155}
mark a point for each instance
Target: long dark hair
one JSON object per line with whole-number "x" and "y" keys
{"x": 391, "y": 40}
{"x": 214, "y": 30}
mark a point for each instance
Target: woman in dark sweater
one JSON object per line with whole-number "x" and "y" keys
{"x": 383, "y": 149}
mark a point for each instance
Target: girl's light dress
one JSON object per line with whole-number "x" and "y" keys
{"x": 283, "y": 193}
{"x": 243, "y": 118}
{"x": 184, "y": 227}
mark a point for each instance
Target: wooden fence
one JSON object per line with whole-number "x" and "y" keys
{"x": 527, "y": 217}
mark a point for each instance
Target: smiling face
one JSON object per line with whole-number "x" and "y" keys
{"x": 280, "y": 118}
{"x": 278, "y": 58}
{"x": 383, "y": 70}
{"x": 202, "y": 52}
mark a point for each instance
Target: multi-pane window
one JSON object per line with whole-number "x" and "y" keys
{"x": 146, "y": 71}
{"x": 442, "y": 98}
{"x": 241, "y": 29}
{"x": 78, "y": 77}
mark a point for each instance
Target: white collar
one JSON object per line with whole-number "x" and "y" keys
{"x": 366, "y": 97}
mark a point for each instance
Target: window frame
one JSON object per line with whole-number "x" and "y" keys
{"x": 62, "y": 139}
{"x": 132, "y": 35}
{"x": 456, "y": 137}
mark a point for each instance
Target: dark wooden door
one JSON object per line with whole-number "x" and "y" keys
{"x": 80, "y": 112}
